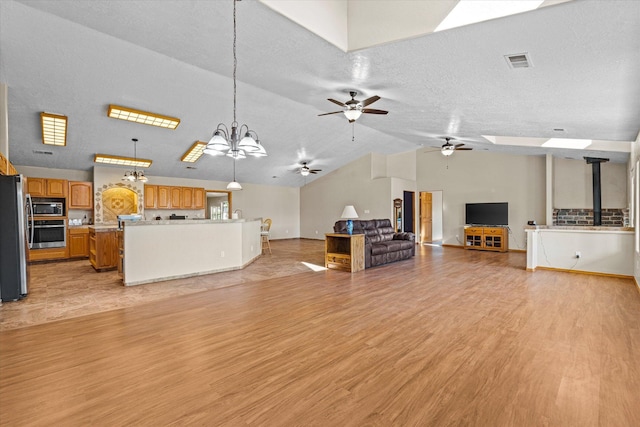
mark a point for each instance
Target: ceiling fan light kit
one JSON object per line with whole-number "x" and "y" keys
{"x": 353, "y": 108}
{"x": 241, "y": 140}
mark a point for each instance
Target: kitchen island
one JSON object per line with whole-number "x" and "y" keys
{"x": 170, "y": 249}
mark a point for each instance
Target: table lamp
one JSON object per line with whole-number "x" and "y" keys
{"x": 349, "y": 213}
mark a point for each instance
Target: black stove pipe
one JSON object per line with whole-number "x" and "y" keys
{"x": 597, "y": 188}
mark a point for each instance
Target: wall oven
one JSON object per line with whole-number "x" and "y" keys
{"x": 47, "y": 208}
{"x": 48, "y": 233}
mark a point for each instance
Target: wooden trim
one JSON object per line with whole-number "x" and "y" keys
{"x": 637, "y": 284}
{"x": 593, "y": 273}
{"x": 229, "y": 198}
{"x": 518, "y": 250}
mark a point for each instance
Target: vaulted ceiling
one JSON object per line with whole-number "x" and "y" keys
{"x": 75, "y": 57}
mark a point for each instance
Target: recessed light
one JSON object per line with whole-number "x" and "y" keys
{"x": 121, "y": 161}
{"x": 194, "y": 152}
{"x": 54, "y": 129}
{"x": 144, "y": 117}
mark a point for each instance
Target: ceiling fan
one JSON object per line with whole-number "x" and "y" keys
{"x": 354, "y": 108}
{"x": 305, "y": 170}
{"x": 448, "y": 148}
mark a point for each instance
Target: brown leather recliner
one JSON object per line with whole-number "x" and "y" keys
{"x": 382, "y": 244}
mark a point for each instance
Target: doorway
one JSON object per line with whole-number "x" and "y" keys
{"x": 408, "y": 223}
{"x": 430, "y": 216}
{"x": 218, "y": 204}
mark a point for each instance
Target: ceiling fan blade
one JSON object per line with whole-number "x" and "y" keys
{"x": 373, "y": 111}
{"x": 370, "y": 101}
{"x": 460, "y": 149}
{"x": 315, "y": 170}
{"x": 458, "y": 145}
{"x": 342, "y": 104}
{"x": 326, "y": 114}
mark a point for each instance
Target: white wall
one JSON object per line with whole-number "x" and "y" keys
{"x": 322, "y": 201}
{"x": 478, "y": 177}
{"x": 69, "y": 174}
{"x": 634, "y": 171}
{"x": 573, "y": 184}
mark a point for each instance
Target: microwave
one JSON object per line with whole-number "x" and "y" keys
{"x": 41, "y": 208}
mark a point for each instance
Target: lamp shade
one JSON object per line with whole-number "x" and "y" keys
{"x": 448, "y": 151}
{"x": 234, "y": 186}
{"x": 353, "y": 113}
{"x": 349, "y": 212}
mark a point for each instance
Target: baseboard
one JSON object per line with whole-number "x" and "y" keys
{"x": 635, "y": 279}
{"x": 593, "y": 273}
{"x": 447, "y": 245}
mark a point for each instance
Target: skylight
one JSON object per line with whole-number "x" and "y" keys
{"x": 471, "y": 11}
{"x": 567, "y": 143}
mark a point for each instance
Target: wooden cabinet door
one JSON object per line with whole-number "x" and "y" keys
{"x": 198, "y": 198}
{"x": 176, "y": 197}
{"x": 78, "y": 244}
{"x": 164, "y": 197}
{"x": 56, "y": 187}
{"x": 37, "y": 187}
{"x": 4, "y": 165}
{"x": 150, "y": 196}
{"x": 80, "y": 195}
{"x": 426, "y": 217}
{"x": 187, "y": 197}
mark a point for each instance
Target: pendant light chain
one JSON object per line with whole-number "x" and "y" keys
{"x": 235, "y": 62}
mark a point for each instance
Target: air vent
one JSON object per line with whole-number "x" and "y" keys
{"x": 192, "y": 167}
{"x": 42, "y": 152}
{"x": 519, "y": 60}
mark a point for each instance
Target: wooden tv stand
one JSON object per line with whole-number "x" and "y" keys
{"x": 486, "y": 238}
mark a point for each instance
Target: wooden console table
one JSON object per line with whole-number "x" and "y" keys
{"x": 486, "y": 238}
{"x": 344, "y": 252}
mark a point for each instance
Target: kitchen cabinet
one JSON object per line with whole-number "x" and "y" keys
{"x": 103, "y": 248}
{"x": 4, "y": 165}
{"x": 164, "y": 197}
{"x": 150, "y": 196}
{"x": 172, "y": 197}
{"x": 199, "y": 198}
{"x": 78, "y": 242}
{"x": 80, "y": 195}
{"x": 187, "y": 197}
{"x": 176, "y": 197}
{"x": 47, "y": 187}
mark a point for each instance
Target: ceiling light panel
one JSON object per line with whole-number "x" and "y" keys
{"x": 144, "y": 117}
{"x": 194, "y": 153}
{"x": 472, "y": 11}
{"x": 121, "y": 161}
{"x": 54, "y": 129}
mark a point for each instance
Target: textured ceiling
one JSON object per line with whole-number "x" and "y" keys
{"x": 174, "y": 58}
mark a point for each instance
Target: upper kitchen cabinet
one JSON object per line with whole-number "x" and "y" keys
{"x": 176, "y": 197}
{"x": 150, "y": 196}
{"x": 47, "y": 187}
{"x": 199, "y": 198}
{"x": 170, "y": 197}
{"x": 80, "y": 195}
{"x": 164, "y": 197}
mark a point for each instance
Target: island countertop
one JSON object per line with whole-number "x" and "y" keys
{"x": 188, "y": 221}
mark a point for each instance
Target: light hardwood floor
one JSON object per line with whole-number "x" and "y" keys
{"x": 451, "y": 337}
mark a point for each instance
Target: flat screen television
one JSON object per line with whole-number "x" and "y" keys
{"x": 487, "y": 213}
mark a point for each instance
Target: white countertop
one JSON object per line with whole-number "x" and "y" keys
{"x": 188, "y": 221}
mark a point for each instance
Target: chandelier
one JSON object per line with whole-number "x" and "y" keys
{"x": 240, "y": 141}
{"x": 135, "y": 175}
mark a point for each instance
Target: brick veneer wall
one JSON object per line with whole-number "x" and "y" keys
{"x": 610, "y": 217}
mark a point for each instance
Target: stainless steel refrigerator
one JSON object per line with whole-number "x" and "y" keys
{"x": 13, "y": 238}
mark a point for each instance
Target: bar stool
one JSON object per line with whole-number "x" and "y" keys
{"x": 264, "y": 234}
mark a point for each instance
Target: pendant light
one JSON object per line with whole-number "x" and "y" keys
{"x": 135, "y": 175}
{"x": 240, "y": 141}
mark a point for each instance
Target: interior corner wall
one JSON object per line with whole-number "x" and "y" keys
{"x": 573, "y": 184}
{"x": 402, "y": 165}
{"x": 322, "y": 201}
{"x": 4, "y": 120}
{"x": 633, "y": 168}
{"x": 480, "y": 177}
